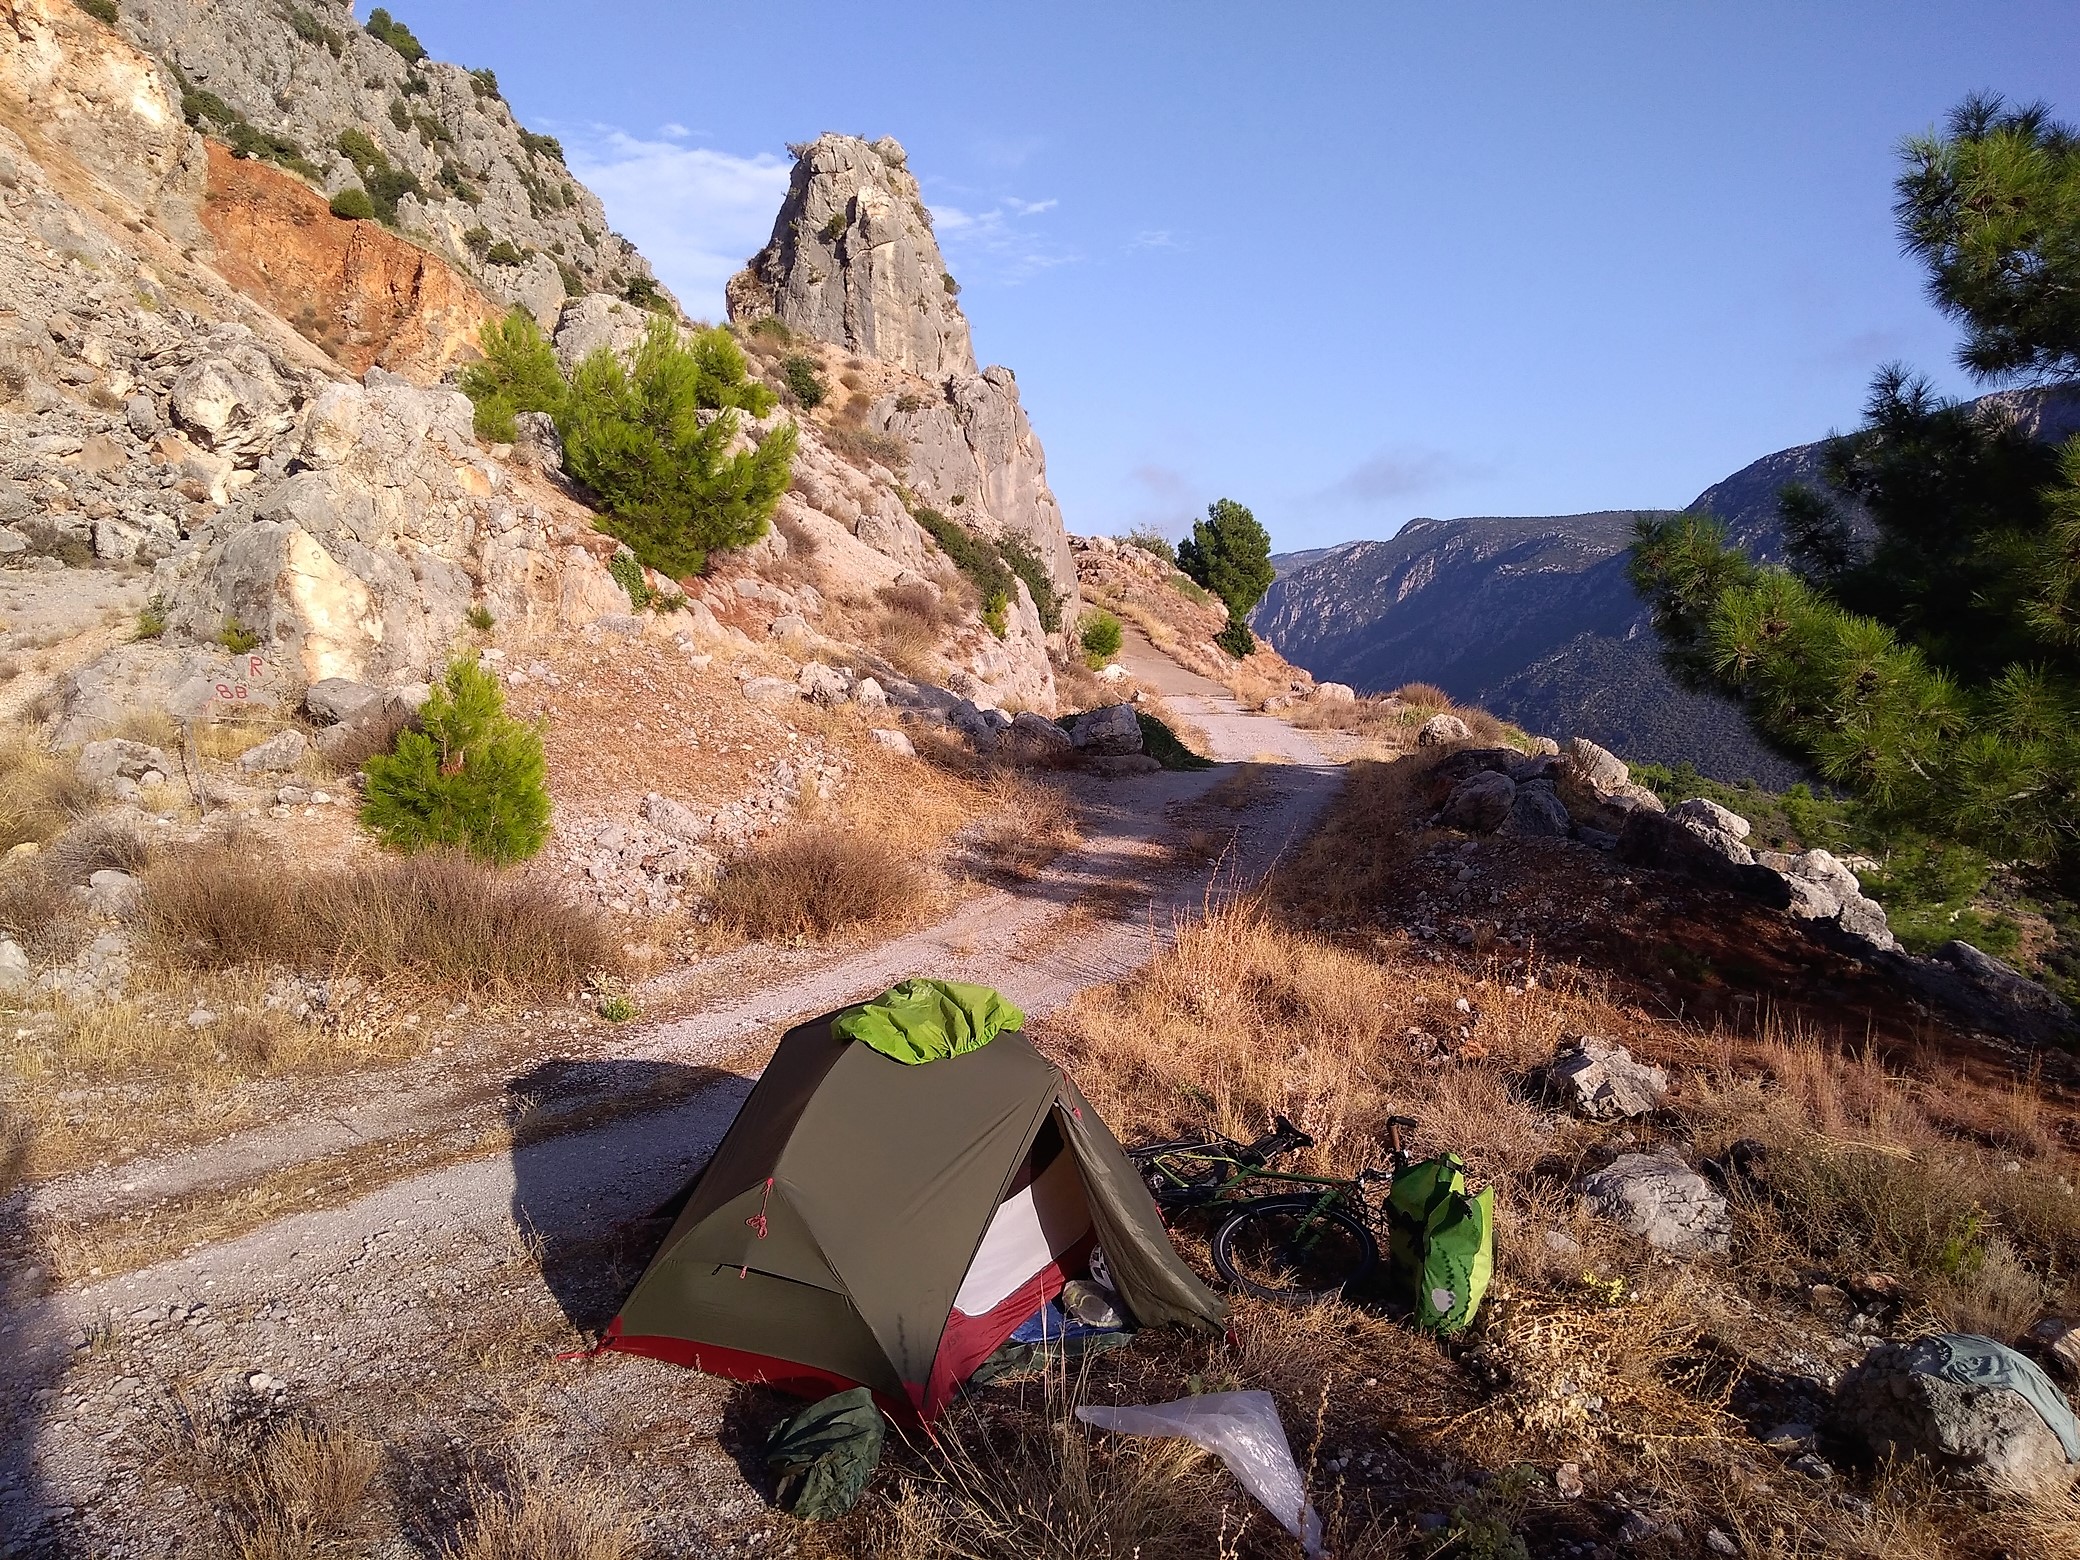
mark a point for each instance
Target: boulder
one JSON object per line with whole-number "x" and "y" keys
{"x": 2060, "y": 1341}
{"x": 1978, "y": 1413}
{"x": 1596, "y": 767}
{"x": 1697, "y": 850}
{"x": 14, "y": 965}
{"x": 770, "y": 690}
{"x": 894, "y": 741}
{"x": 973, "y": 722}
{"x": 1110, "y": 731}
{"x": 1712, "y": 815}
{"x": 1440, "y": 730}
{"x": 284, "y": 750}
{"x": 1119, "y": 766}
{"x": 1537, "y": 813}
{"x": 1662, "y": 1200}
{"x": 1335, "y": 693}
{"x": 1993, "y": 995}
{"x": 869, "y": 695}
{"x": 1828, "y": 896}
{"x": 676, "y": 818}
{"x": 110, "y": 892}
{"x": 536, "y": 442}
{"x": 1599, "y": 1079}
{"x": 1480, "y": 803}
{"x": 331, "y": 700}
{"x": 1037, "y": 738}
{"x": 821, "y": 684}
{"x": 102, "y": 763}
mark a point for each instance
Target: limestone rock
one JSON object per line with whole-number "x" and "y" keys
{"x": 334, "y": 699}
{"x": 1538, "y": 813}
{"x": 101, "y": 763}
{"x": 869, "y": 695}
{"x": 1710, "y": 813}
{"x": 770, "y": 690}
{"x": 282, "y": 751}
{"x": 1110, "y": 731}
{"x": 1902, "y": 1401}
{"x": 2060, "y": 1341}
{"x": 1439, "y": 730}
{"x": 853, "y": 261}
{"x": 1121, "y": 766}
{"x": 1480, "y": 803}
{"x": 1662, "y": 1200}
{"x": 1697, "y": 850}
{"x": 1596, "y": 767}
{"x": 1037, "y": 738}
{"x": 1335, "y": 693}
{"x": 598, "y": 320}
{"x": 110, "y": 893}
{"x": 893, "y": 741}
{"x": 1600, "y": 1080}
{"x": 821, "y": 684}
{"x": 14, "y": 965}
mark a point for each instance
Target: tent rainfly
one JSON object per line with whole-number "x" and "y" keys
{"x": 886, "y": 1223}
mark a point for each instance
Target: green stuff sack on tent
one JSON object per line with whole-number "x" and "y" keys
{"x": 822, "y": 1458}
{"x": 928, "y": 1020}
{"x": 1441, "y": 1242}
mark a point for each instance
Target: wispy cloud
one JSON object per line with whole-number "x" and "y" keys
{"x": 698, "y": 213}
{"x": 1396, "y": 474}
{"x": 1154, "y": 238}
{"x": 1001, "y": 243}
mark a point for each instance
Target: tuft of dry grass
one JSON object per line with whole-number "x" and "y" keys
{"x": 41, "y": 793}
{"x": 572, "y": 1517}
{"x": 92, "y": 846}
{"x": 1028, "y": 824}
{"x": 440, "y": 920}
{"x": 820, "y": 881}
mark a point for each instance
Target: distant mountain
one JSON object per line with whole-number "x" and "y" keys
{"x": 1531, "y": 618}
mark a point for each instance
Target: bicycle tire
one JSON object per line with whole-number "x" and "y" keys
{"x": 1253, "y": 1250}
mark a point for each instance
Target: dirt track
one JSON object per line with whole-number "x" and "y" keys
{"x": 435, "y": 1298}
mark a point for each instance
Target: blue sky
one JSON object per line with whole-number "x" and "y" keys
{"x": 1346, "y": 263}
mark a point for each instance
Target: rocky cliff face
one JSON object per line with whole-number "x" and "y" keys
{"x": 308, "y": 73}
{"x": 853, "y": 262}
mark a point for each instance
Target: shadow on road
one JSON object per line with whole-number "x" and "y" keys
{"x": 599, "y": 1149}
{"x": 34, "y": 1354}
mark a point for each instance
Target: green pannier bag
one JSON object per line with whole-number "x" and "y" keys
{"x": 1441, "y": 1242}
{"x": 822, "y": 1458}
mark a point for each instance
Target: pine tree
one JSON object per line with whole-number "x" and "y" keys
{"x": 1934, "y": 666}
{"x": 470, "y": 777}
{"x": 1230, "y": 554}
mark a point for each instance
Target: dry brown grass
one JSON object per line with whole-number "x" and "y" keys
{"x": 818, "y": 881}
{"x": 1394, "y": 720}
{"x": 1028, "y": 824}
{"x": 41, "y": 793}
{"x": 569, "y": 1517}
{"x": 278, "y": 1489}
{"x": 439, "y": 920}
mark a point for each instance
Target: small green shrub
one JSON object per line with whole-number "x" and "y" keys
{"x": 1024, "y": 562}
{"x": 308, "y": 28}
{"x": 504, "y": 252}
{"x": 353, "y": 205}
{"x": 484, "y": 83}
{"x": 519, "y": 373}
{"x": 386, "y": 185}
{"x": 384, "y": 28}
{"x": 834, "y": 227}
{"x": 802, "y": 380}
{"x": 479, "y": 618}
{"x": 978, "y": 559}
{"x": 400, "y": 116}
{"x": 953, "y": 288}
{"x": 772, "y": 327}
{"x": 103, "y": 11}
{"x": 1101, "y": 638}
{"x": 541, "y": 145}
{"x": 616, "y": 1008}
{"x": 450, "y": 179}
{"x": 644, "y": 293}
{"x": 1235, "y": 637}
{"x": 573, "y": 279}
{"x": 151, "y": 618}
{"x": 628, "y": 574}
{"x": 236, "y": 637}
{"x": 1150, "y": 540}
{"x": 471, "y": 776}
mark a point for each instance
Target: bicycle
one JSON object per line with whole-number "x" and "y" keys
{"x": 1300, "y": 1245}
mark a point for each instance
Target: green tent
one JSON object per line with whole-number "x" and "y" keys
{"x": 886, "y": 1224}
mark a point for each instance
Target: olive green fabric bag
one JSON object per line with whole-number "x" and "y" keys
{"x": 1441, "y": 1242}
{"x": 822, "y": 1458}
{"x": 928, "y": 1020}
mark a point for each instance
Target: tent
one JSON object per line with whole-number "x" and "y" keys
{"x": 870, "y": 1223}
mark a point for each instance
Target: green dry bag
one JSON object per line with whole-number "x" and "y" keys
{"x": 822, "y": 1458}
{"x": 1440, "y": 1241}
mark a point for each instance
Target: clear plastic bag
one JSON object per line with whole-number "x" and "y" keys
{"x": 1242, "y": 1429}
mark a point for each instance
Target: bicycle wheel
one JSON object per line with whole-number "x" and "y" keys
{"x": 1282, "y": 1248}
